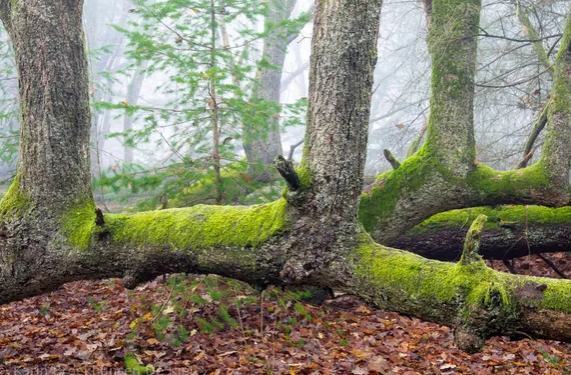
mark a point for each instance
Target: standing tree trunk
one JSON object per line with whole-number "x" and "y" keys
{"x": 55, "y": 118}
{"x": 133, "y": 93}
{"x": 53, "y": 178}
{"x": 262, "y": 142}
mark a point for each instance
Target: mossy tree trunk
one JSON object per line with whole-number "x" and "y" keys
{"x": 53, "y": 176}
{"x": 511, "y": 232}
{"x": 311, "y": 236}
{"x": 444, "y": 173}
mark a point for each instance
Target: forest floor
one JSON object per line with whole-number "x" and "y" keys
{"x": 210, "y": 325}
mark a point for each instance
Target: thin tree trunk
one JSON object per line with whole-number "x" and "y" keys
{"x": 133, "y": 93}
{"x": 214, "y": 107}
{"x": 262, "y": 143}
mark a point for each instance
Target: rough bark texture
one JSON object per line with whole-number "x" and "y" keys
{"x": 262, "y": 145}
{"x": 311, "y": 236}
{"x": 444, "y": 174}
{"x": 53, "y": 176}
{"x": 49, "y": 45}
{"x": 511, "y": 232}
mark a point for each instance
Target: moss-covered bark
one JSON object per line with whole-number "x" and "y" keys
{"x": 444, "y": 174}
{"x": 479, "y": 301}
{"x": 511, "y": 232}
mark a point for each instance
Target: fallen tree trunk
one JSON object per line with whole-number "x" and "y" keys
{"x": 51, "y": 233}
{"x": 512, "y": 232}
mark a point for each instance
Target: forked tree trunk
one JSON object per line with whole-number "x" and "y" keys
{"x": 311, "y": 236}
{"x": 444, "y": 174}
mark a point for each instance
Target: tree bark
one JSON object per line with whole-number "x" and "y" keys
{"x": 310, "y": 236}
{"x": 444, "y": 174}
{"x": 55, "y": 117}
{"x": 262, "y": 143}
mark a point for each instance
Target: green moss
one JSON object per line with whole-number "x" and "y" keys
{"x": 305, "y": 177}
{"x": 561, "y": 92}
{"x": 452, "y": 22}
{"x": 417, "y": 280}
{"x": 377, "y": 204}
{"x": 424, "y": 279}
{"x": 133, "y": 366}
{"x": 14, "y": 202}
{"x": 497, "y": 217}
{"x": 78, "y": 224}
{"x": 496, "y": 185}
{"x": 200, "y": 226}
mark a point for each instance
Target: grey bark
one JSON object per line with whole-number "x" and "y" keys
{"x": 55, "y": 115}
{"x": 262, "y": 143}
{"x": 133, "y": 93}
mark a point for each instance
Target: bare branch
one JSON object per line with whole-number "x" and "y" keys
{"x": 292, "y": 149}
{"x": 286, "y": 170}
{"x": 391, "y": 159}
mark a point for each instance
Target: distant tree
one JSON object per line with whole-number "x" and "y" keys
{"x": 220, "y": 88}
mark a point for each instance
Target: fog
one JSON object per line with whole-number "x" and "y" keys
{"x": 512, "y": 84}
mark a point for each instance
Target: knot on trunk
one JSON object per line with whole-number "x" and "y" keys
{"x": 287, "y": 171}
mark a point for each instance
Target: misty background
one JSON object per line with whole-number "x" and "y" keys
{"x": 133, "y": 94}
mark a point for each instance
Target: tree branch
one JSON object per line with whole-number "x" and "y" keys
{"x": 391, "y": 158}
{"x": 287, "y": 171}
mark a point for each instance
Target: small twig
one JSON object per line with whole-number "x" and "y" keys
{"x": 510, "y": 267}
{"x": 552, "y": 265}
{"x": 292, "y": 149}
{"x": 262, "y": 314}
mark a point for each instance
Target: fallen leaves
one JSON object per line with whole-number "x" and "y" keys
{"x": 63, "y": 333}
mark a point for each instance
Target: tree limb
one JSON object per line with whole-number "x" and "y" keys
{"x": 391, "y": 158}
{"x": 287, "y": 171}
